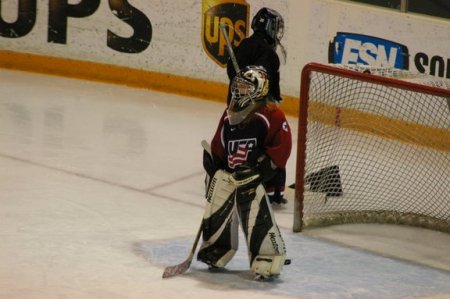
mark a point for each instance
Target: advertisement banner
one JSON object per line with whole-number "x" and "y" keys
{"x": 234, "y": 14}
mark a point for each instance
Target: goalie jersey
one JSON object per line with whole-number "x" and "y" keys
{"x": 266, "y": 132}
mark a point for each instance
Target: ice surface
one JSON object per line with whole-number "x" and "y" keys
{"x": 102, "y": 187}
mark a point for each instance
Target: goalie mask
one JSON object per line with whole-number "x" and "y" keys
{"x": 248, "y": 88}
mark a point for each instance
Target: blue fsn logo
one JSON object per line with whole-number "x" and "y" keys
{"x": 352, "y": 48}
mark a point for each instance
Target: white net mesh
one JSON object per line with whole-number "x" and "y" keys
{"x": 377, "y": 153}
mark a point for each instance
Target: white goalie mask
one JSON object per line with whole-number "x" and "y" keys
{"x": 248, "y": 87}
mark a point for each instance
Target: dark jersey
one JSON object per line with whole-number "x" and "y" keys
{"x": 255, "y": 50}
{"x": 267, "y": 133}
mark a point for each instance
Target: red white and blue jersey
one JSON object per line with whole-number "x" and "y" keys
{"x": 267, "y": 132}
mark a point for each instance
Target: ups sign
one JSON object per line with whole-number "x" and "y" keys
{"x": 234, "y": 14}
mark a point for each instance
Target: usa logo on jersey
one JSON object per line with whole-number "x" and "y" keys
{"x": 239, "y": 151}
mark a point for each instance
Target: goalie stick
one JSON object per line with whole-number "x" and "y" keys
{"x": 184, "y": 266}
{"x": 230, "y": 48}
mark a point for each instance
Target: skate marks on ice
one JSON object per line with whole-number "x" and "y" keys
{"x": 319, "y": 269}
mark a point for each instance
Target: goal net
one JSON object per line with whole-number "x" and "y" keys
{"x": 373, "y": 147}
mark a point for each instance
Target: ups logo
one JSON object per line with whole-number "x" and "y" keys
{"x": 233, "y": 13}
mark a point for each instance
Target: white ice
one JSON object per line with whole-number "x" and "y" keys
{"x": 101, "y": 187}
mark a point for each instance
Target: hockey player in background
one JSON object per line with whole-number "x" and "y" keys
{"x": 261, "y": 49}
{"x": 252, "y": 142}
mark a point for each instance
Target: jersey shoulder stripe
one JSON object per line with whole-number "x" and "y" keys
{"x": 264, "y": 118}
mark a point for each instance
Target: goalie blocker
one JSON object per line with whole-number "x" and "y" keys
{"x": 241, "y": 196}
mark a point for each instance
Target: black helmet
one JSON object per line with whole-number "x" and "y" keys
{"x": 271, "y": 23}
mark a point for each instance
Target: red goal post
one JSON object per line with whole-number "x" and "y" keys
{"x": 373, "y": 147}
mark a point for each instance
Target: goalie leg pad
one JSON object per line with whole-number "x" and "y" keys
{"x": 220, "y": 225}
{"x": 267, "y": 250}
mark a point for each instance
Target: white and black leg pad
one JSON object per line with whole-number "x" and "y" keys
{"x": 267, "y": 250}
{"x": 220, "y": 223}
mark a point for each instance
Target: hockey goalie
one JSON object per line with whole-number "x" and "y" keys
{"x": 250, "y": 147}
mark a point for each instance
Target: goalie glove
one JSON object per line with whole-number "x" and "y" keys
{"x": 262, "y": 171}
{"x": 244, "y": 175}
{"x": 267, "y": 169}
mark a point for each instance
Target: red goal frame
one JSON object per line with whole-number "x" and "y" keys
{"x": 303, "y": 117}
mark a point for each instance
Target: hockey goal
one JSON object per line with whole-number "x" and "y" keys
{"x": 373, "y": 147}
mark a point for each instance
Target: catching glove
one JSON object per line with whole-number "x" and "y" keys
{"x": 262, "y": 171}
